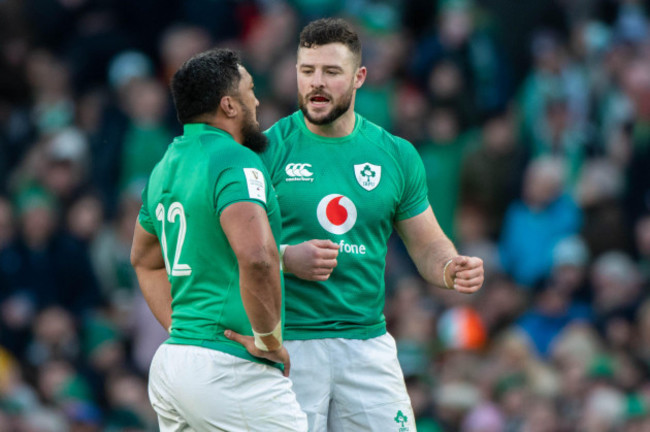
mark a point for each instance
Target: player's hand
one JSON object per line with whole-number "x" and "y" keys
{"x": 467, "y": 273}
{"x": 311, "y": 260}
{"x": 278, "y": 356}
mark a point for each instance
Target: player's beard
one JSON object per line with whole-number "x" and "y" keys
{"x": 253, "y": 138}
{"x": 337, "y": 110}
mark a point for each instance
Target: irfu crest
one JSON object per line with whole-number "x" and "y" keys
{"x": 368, "y": 175}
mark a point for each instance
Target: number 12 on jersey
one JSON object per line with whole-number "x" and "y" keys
{"x": 175, "y": 210}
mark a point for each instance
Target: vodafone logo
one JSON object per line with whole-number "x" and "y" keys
{"x": 336, "y": 213}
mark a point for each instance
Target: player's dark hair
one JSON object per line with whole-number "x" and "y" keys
{"x": 331, "y": 30}
{"x": 199, "y": 85}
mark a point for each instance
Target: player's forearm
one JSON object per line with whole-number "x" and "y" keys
{"x": 431, "y": 260}
{"x": 156, "y": 290}
{"x": 149, "y": 266}
{"x": 428, "y": 246}
{"x": 261, "y": 291}
{"x": 249, "y": 233}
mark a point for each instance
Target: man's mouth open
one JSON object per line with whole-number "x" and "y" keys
{"x": 319, "y": 100}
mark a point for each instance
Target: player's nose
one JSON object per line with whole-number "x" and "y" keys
{"x": 317, "y": 79}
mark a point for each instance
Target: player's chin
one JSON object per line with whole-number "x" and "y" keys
{"x": 319, "y": 118}
{"x": 321, "y": 110}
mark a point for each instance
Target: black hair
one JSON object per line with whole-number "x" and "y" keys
{"x": 331, "y": 30}
{"x": 199, "y": 85}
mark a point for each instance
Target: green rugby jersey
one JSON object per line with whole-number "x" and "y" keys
{"x": 203, "y": 172}
{"x": 350, "y": 190}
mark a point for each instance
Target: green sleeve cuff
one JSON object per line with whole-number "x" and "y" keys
{"x": 413, "y": 211}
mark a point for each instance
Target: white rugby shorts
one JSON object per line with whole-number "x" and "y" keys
{"x": 347, "y": 385}
{"x": 193, "y": 388}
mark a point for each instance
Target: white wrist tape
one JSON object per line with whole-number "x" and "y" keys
{"x": 270, "y": 341}
{"x": 283, "y": 247}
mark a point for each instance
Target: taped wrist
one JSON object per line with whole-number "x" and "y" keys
{"x": 283, "y": 247}
{"x": 270, "y": 341}
{"x": 444, "y": 276}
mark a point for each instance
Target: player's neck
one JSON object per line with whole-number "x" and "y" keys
{"x": 341, "y": 127}
{"x": 229, "y": 126}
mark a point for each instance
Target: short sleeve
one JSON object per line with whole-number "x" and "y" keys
{"x": 236, "y": 184}
{"x": 414, "y": 196}
{"x": 144, "y": 217}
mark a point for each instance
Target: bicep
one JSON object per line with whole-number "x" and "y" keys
{"x": 146, "y": 251}
{"x": 420, "y": 231}
{"x": 247, "y": 228}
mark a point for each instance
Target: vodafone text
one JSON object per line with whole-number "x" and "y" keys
{"x": 352, "y": 249}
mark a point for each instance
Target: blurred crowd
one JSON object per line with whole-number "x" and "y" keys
{"x": 533, "y": 122}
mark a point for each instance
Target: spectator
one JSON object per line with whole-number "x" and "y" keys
{"x": 6, "y": 222}
{"x": 492, "y": 172}
{"x": 132, "y": 138}
{"x": 553, "y": 311}
{"x": 599, "y": 192}
{"x": 617, "y": 289}
{"x": 55, "y": 337}
{"x": 642, "y": 242}
{"x": 480, "y": 87}
{"x": 442, "y": 155}
{"x": 43, "y": 266}
{"x": 535, "y": 224}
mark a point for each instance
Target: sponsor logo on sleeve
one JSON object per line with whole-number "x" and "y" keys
{"x": 256, "y": 185}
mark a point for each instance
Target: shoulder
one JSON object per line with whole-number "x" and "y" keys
{"x": 393, "y": 144}
{"x": 225, "y": 152}
{"x": 518, "y": 210}
{"x": 283, "y": 135}
{"x": 398, "y": 150}
{"x": 565, "y": 204}
{"x": 283, "y": 129}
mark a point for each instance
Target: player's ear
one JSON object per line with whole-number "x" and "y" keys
{"x": 360, "y": 77}
{"x": 229, "y": 107}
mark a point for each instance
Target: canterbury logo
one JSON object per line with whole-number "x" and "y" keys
{"x": 298, "y": 170}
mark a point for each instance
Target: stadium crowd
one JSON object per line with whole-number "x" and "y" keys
{"x": 533, "y": 122}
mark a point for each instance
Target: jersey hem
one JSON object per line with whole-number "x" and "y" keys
{"x": 223, "y": 347}
{"x": 357, "y": 333}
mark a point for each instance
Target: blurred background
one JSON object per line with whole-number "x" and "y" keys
{"x": 532, "y": 119}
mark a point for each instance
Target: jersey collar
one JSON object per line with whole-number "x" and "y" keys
{"x": 190, "y": 129}
{"x": 300, "y": 119}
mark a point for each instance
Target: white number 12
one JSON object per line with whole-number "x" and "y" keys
{"x": 176, "y": 209}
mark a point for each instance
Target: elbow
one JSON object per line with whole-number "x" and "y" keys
{"x": 259, "y": 262}
{"x": 136, "y": 259}
{"x": 262, "y": 268}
